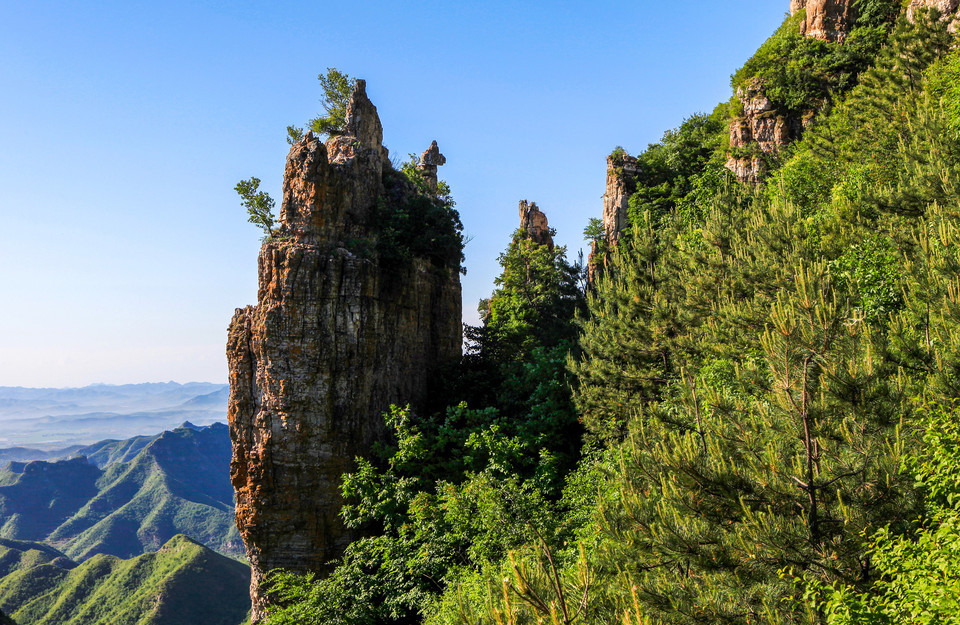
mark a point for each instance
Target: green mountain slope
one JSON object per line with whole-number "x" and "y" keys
{"x": 174, "y": 483}
{"x": 20, "y": 554}
{"x": 181, "y": 584}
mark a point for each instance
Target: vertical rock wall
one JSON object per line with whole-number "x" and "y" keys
{"x": 334, "y": 339}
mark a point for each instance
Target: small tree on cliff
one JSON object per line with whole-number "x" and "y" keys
{"x": 337, "y": 88}
{"x": 258, "y": 203}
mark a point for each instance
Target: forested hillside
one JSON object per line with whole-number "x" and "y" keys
{"x": 125, "y": 497}
{"x": 182, "y": 582}
{"x": 749, "y": 416}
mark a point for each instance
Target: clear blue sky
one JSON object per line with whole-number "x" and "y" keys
{"x": 124, "y": 126}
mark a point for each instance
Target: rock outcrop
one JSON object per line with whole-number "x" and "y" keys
{"x": 622, "y": 171}
{"x": 535, "y": 223}
{"x": 429, "y": 161}
{"x": 948, "y": 10}
{"x": 760, "y": 128}
{"x": 335, "y": 338}
{"x": 827, "y": 20}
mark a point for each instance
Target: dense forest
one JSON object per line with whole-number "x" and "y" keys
{"x": 747, "y": 416}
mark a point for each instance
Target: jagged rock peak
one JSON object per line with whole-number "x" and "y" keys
{"x": 362, "y": 119}
{"x": 330, "y": 189}
{"x": 430, "y": 160}
{"x": 622, "y": 171}
{"x": 535, "y": 223}
{"x": 828, "y": 20}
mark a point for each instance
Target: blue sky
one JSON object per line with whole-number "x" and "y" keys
{"x": 124, "y": 126}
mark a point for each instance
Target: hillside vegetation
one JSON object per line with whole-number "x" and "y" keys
{"x": 126, "y": 497}
{"x": 181, "y": 583}
{"x": 750, "y": 418}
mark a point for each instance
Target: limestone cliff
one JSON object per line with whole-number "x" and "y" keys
{"x": 535, "y": 223}
{"x": 760, "y": 130}
{"x": 762, "y": 127}
{"x": 622, "y": 172}
{"x": 827, "y": 20}
{"x": 337, "y": 335}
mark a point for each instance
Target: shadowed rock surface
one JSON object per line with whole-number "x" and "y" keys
{"x": 336, "y": 337}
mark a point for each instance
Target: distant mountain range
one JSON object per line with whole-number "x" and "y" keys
{"x": 181, "y": 583}
{"x": 52, "y": 419}
{"x": 125, "y": 497}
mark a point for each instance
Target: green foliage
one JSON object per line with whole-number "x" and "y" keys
{"x": 800, "y": 73}
{"x": 337, "y": 88}
{"x": 750, "y": 368}
{"x": 417, "y": 221}
{"x": 177, "y": 483}
{"x": 258, "y": 203}
{"x": 680, "y": 171}
{"x": 872, "y": 271}
{"x": 183, "y": 580}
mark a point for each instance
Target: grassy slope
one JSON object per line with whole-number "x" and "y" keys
{"x": 20, "y": 554}
{"x": 178, "y": 483}
{"x": 181, "y": 584}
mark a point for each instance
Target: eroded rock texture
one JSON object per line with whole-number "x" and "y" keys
{"x": 763, "y": 129}
{"x": 334, "y": 339}
{"x": 828, "y": 20}
{"x": 622, "y": 172}
{"x": 429, "y": 161}
{"x": 535, "y": 223}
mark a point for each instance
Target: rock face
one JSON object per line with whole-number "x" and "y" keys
{"x": 429, "y": 161}
{"x": 947, "y": 8}
{"x": 828, "y": 20}
{"x": 622, "y": 171}
{"x": 762, "y": 128}
{"x": 335, "y": 339}
{"x": 535, "y": 223}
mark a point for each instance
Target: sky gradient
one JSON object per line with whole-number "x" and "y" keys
{"x": 124, "y": 127}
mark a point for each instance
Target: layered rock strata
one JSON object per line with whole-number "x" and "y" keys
{"x": 335, "y": 338}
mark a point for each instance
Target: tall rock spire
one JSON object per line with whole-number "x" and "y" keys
{"x": 336, "y": 337}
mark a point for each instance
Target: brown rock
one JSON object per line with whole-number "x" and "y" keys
{"x": 828, "y": 20}
{"x": 430, "y": 160}
{"x": 622, "y": 171}
{"x": 761, "y": 128}
{"x": 333, "y": 341}
{"x": 535, "y": 223}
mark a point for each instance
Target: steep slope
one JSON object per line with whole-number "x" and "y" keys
{"x": 16, "y": 555}
{"x": 177, "y": 482}
{"x": 183, "y": 583}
